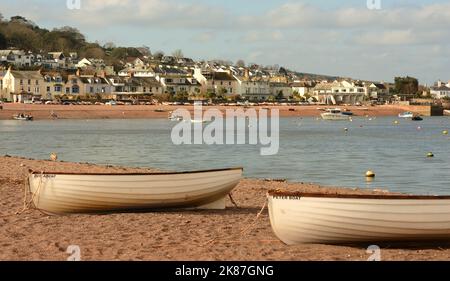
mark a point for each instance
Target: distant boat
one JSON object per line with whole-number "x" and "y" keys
{"x": 198, "y": 121}
{"x": 417, "y": 118}
{"x": 71, "y": 193}
{"x": 348, "y": 113}
{"x": 173, "y": 117}
{"x": 406, "y": 115}
{"x": 22, "y": 117}
{"x": 446, "y": 112}
{"x": 299, "y": 218}
{"x": 335, "y": 115}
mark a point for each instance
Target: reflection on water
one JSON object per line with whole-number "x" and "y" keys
{"x": 310, "y": 150}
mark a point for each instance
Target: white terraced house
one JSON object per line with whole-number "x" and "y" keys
{"x": 440, "y": 90}
{"x": 22, "y": 86}
{"x": 343, "y": 92}
{"x": 253, "y": 88}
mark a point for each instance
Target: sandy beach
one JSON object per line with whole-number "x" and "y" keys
{"x": 232, "y": 234}
{"x": 40, "y": 112}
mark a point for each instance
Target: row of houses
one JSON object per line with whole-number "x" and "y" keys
{"x": 51, "y": 60}
{"x": 142, "y": 84}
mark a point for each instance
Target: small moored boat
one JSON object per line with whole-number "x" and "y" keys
{"x": 63, "y": 193}
{"x": 417, "y": 118}
{"x": 299, "y": 218}
{"x": 335, "y": 115}
{"x": 406, "y": 115}
{"x": 173, "y": 117}
{"x": 23, "y": 117}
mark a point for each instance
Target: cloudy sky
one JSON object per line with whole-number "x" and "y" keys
{"x": 336, "y": 37}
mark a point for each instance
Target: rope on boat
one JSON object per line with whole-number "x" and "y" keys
{"x": 27, "y": 205}
{"x": 232, "y": 200}
{"x": 250, "y": 226}
{"x": 243, "y": 232}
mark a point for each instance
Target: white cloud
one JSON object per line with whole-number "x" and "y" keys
{"x": 151, "y": 13}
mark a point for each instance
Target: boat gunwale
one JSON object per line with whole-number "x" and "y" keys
{"x": 135, "y": 174}
{"x": 274, "y": 193}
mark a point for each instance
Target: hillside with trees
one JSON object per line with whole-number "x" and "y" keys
{"x": 23, "y": 34}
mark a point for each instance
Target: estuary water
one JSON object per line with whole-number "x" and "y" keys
{"x": 311, "y": 150}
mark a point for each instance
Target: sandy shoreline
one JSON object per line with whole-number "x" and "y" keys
{"x": 43, "y": 112}
{"x": 167, "y": 235}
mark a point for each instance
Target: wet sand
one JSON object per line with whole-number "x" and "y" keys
{"x": 232, "y": 234}
{"x": 40, "y": 112}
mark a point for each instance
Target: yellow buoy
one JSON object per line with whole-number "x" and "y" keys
{"x": 396, "y": 122}
{"x": 430, "y": 155}
{"x": 445, "y": 132}
{"x": 370, "y": 174}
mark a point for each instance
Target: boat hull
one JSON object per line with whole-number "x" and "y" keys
{"x": 314, "y": 220}
{"x": 69, "y": 194}
{"x": 335, "y": 117}
{"x": 406, "y": 115}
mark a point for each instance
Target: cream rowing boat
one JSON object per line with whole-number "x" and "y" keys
{"x": 298, "y": 218}
{"x": 62, "y": 193}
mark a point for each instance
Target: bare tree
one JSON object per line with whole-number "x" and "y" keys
{"x": 109, "y": 45}
{"x": 158, "y": 55}
{"x": 240, "y": 63}
{"x": 178, "y": 54}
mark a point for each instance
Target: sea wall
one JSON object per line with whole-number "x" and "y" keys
{"x": 424, "y": 110}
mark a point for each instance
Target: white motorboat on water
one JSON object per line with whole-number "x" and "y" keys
{"x": 73, "y": 193}
{"x": 335, "y": 115}
{"x": 194, "y": 121}
{"x": 173, "y": 117}
{"x": 302, "y": 218}
{"x": 23, "y": 117}
{"x": 406, "y": 115}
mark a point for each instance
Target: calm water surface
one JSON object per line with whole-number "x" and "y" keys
{"x": 310, "y": 150}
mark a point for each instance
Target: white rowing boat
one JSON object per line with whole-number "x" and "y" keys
{"x": 331, "y": 219}
{"x": 61, "y": 193}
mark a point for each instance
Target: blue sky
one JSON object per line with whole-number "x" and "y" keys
{"x": 405, "y": 37}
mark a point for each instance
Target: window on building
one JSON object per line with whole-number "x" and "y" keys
{"x": 67, "y": 90}
{"x": 58, "y": 89}
{"x": 75, "y": 90}
{"x": 37, "y": 82}
{"x": 48, "y": 88}
{"x": 91, "y": 90}
{"x": 21, "y": 82}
